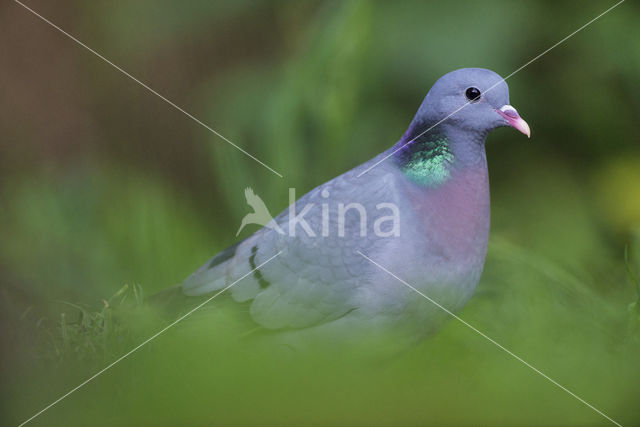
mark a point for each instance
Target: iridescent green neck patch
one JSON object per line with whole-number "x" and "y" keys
{"x": 427, "y": 161}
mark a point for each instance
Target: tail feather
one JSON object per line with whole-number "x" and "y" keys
{"x": 225, "y": 268}
{"x": 212, "y": 275}
{"x": 202, "y": 282}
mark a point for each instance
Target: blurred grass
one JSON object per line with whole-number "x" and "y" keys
{"x": 204, "y": 371}
{"x": 103, "y": 185}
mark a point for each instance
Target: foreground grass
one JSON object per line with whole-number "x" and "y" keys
{"x": 208, "y": 370}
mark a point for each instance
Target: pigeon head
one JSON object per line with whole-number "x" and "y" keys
{"x": 452, "y": 123}
{"x": 473, "y": 100}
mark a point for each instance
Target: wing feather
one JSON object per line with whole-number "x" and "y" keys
{"x": 315, "y": 279}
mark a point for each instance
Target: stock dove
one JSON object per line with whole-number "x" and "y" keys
{"x": 419, "y": 210}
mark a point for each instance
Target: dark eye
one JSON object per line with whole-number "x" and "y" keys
{"x": 473, "y": 94}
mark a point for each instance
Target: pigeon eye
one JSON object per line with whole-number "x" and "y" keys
{"x": 473, "y": 94}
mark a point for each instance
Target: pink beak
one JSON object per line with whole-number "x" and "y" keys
{"x": 514, "y": 119}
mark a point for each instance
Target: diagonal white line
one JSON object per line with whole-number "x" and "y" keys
{"x": 567, "y": 37}
{"x": 124, "y": 356}
{"x": 492, "y": 87}
{"x": 177, "y": 107}
{"x": 490, "y": 340}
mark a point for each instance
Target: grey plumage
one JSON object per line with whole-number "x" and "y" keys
{"x": 439, "y": 183}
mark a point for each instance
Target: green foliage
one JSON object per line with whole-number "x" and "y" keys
{"x": 634, "y": 306}
{"x": 103, "y": 184}
{"x": 212, "y": 366}
{"x": 82, "y": 231}
{"x": 97, "y": 335}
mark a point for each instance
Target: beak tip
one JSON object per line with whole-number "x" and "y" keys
{"x": 526, "y": 130}
{"x": 514, "y": 120}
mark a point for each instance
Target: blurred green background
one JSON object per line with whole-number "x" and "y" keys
{"x": 103, "y": 184}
